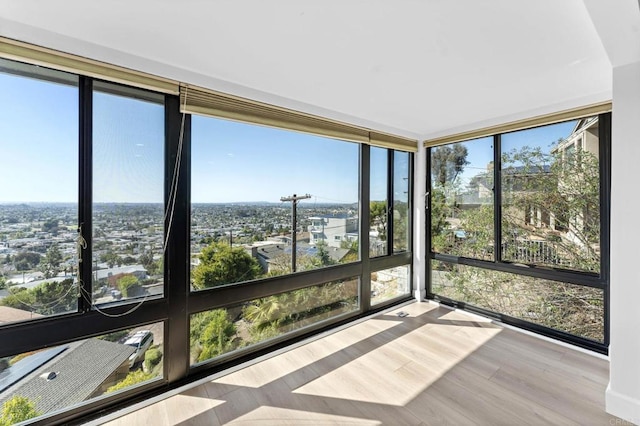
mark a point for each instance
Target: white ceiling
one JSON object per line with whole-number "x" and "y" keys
{"x": 417, "y": 68}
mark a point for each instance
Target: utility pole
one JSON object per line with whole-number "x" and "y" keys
{"x": 294, "y": 202}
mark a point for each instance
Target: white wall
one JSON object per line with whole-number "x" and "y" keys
{"x": 623, "y": 392}
{"x": 419, "y": 221}
{"x": 618, "y": 25}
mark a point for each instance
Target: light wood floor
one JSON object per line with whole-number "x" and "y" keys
{"x": 433, "y": 367}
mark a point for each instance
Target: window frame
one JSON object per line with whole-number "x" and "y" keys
{"x": 598, "y": 280}
{"x": 178, "y": 303}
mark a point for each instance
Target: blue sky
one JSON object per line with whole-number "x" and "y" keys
{"x": 231, "y": 162}
{"x": 39, "y": 128}
{"x": 480, "y": 151}
{"x": 128, "y": 150}
{"x": 234, "y": 162}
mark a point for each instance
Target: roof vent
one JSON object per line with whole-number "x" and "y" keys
{"x": 49, "y": 376}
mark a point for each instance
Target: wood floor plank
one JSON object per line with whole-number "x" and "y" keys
{"x": 433, "y": 367}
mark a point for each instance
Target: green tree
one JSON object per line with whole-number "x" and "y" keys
{"x": 378, "y": 218}
{"x": 221, "y": 264}
{"x": 50, "y": 225}
{"x": 155, "y": 268}
{"x": 146, "y": 259}
{"x": 212, "y": 333}
{"x": 110, "y": 258}
{"x": 400, "y": 225}
{"x": 447, "y": 163}
{"x": 323, "y": 257}
{"x": 26, "y": 260}
{"x": 152, "y": 358}
{"x": 17, "y": 409}
{"x": 133, "y": 378}
{"x": 19, "y": 298}
{"x": 568, "y": 190}
{"x": 56, "y": 297}
{"x": 51, "y": 262}
{"x": 129, "y": 286}
{"x": 49, "y": 298}
{"x": 281, "y": 313}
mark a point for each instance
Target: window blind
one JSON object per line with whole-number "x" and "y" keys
{"x": 23, "y": 52}
{"x": 572, "y": 114}
{"x": 195, "y": 100}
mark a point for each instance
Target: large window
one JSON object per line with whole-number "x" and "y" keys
{"x": 49, "y": 380}
{"x": 220, "y": 331}
{"x": 517, "y": 226}
{"x": 551, "y": 196}
{"x": 401, "y": 205}
{"x": 390, "y": 283}
{"x": 268, "y": 202}
{"x": 389, "y": 206}
{"x": 462, "y": 199}
{"x": 575, "y": 309}
{"x": 128, "y": 185}
{"x": 39, "y": 195}
{"x": 117, "y": 205}
{"x": 379, "y": 206}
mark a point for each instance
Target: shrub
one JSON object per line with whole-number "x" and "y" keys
{"x": 129, "y": 286}
{"x": 132, "y": 378}
{"x": 152, "y": 358}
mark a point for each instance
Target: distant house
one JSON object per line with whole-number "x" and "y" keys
{"x": 273, "y": 256}
{"x": 139, "y": 271}
{"x": 584, "y": 137}
{"x": 583, "y": 140}
{"x": 333, "y": 230}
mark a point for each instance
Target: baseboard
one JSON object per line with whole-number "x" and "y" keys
{"x": 622, "y": 406}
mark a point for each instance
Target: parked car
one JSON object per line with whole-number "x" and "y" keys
{"x": 141, "y": 341}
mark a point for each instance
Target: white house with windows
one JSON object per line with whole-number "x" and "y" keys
{"x": 583, "y": 138}
{"x": 333, "y": 230}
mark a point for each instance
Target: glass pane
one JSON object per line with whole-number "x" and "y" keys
{"x": 247, "y": 183}
{"x": 50, "y": 380}
{"x": 551, "y": 196}
{"x": 462, "y": 199}
{"x": 216, "y": 332}
{"x": 389, "y": 284}
{"x": 562, "y": 306}
{"x": 128, "y": 193}
{"x": 401, "y": 226}
{"x": 378, "y": 205}
{"x": 39, "y": 198}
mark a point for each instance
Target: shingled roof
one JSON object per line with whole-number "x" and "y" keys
{"x": 80, "y": 370}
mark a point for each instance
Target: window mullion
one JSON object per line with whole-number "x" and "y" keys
{"x": 497, "y": 198}
{"x": 177, "y": 226}
{"x": 365, "y": 215}
{"x": 390, "y": 199}
{"x": 85, "y": 191}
